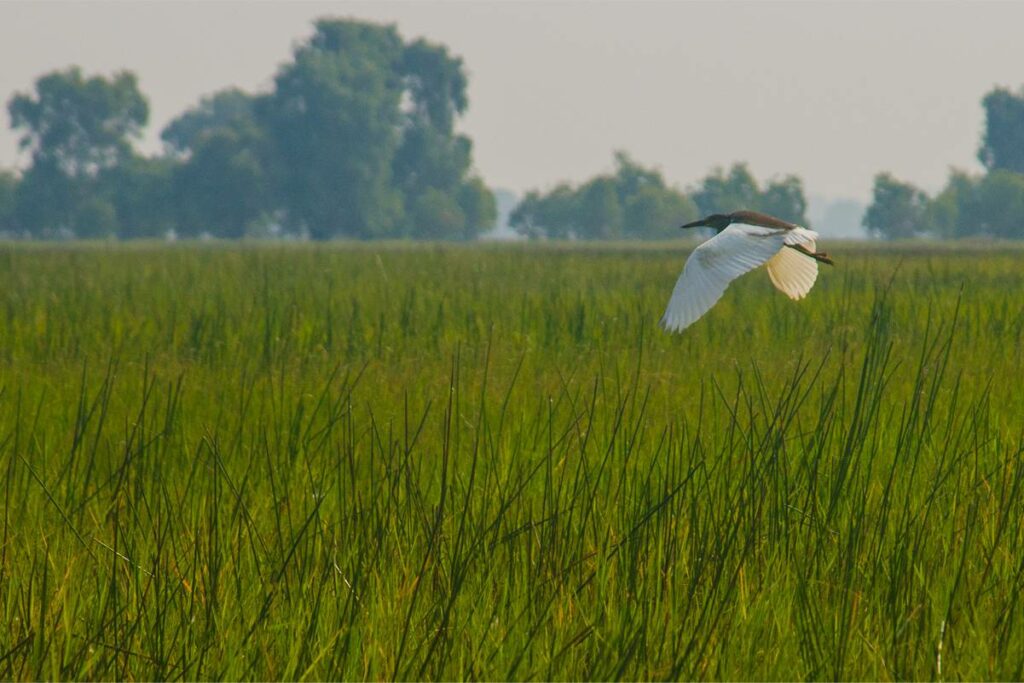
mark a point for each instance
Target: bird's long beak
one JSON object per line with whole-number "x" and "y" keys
{"x": 694, "y": 224}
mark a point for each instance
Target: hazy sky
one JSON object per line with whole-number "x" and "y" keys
{"x": 834, "y": 92}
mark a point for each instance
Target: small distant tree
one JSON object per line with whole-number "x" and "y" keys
{"x": 897, "y": 209}
{"x": 785, "y": 198}
{"x": 722, "y": 192}
{"x": 634, "y": 202}
{"x": 437, "y": 215}
{"x": 479, "y": 207}
{"x": 600, "y": 211}
{"x": 631, "y": 177}
{"x": 953, "y": 212}
{"x": 559, "y": 212}
{"x": 657, "y": 213}
{"x": 651, "y": 209}
{"x": 553, "y": 215}
{"x": 524, "y": 218}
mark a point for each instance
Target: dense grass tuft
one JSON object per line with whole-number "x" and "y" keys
{"x": 456, "y": 462}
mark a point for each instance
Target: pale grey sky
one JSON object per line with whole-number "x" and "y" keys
{"x": 834, "y": 92}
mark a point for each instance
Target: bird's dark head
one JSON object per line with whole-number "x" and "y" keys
{"x": 718, "y": 221}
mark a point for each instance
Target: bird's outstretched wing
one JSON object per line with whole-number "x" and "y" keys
{"x": 714, "y": 264}
{"x": 791, "y": 272}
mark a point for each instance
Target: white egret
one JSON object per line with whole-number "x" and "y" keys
{"x": 745, "y": 240}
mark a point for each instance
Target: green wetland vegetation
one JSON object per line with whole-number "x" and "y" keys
{"x": 459, "y": 462}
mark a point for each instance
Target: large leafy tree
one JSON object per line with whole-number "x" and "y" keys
{"x": 436, "y": 83}
{"x": 432, "y": 161}
{"x": 79, "y": 125}
{"x": 897, "y": 209}
{"x": 334, "y": 118}
{"x": 76, "y": 128}
{"x": 362, "y": 127}
{"x": 1002, "y": 143}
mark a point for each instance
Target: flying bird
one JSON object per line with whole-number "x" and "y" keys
{"x": 745, "y": 240}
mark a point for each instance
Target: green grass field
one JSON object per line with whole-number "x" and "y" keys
{"x": 376, "y": 461}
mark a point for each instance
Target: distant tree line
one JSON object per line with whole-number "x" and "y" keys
{"x": 356, "y": 139}
{"x": 990, "y": 204}
{"x": 635, "y": 203}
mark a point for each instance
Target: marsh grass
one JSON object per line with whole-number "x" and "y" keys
{"x": 379, "y": 462}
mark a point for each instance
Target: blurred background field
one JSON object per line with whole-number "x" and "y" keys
{"x": 488, "y": 461}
